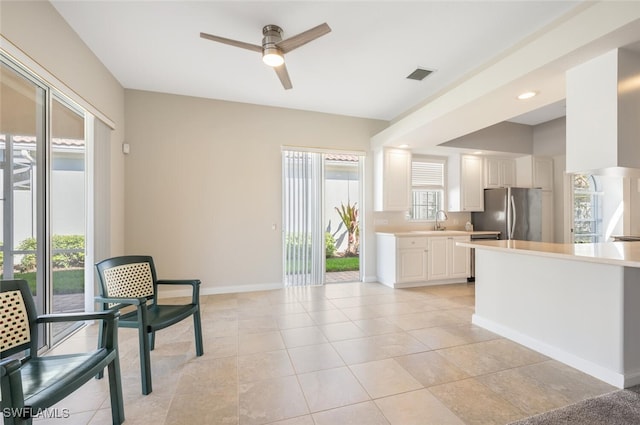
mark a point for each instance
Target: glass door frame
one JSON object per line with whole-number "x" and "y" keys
{"x": 44, "y": 252}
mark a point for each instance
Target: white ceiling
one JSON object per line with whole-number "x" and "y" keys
{"x": 358, "y": 69}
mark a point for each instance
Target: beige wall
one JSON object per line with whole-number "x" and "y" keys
{"x": 36, "y": 29}
{"x": 204, "y": 183}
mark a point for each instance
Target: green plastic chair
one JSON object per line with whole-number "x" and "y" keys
{"x": 31, "y": 384}
{"x": 131, "y": 281}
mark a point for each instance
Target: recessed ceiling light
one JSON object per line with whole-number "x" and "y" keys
{"x": 527, "y": 95}
{"x": 403, "y": 146}
{"x": 477, "y": 153}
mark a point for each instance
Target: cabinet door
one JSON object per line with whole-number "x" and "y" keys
{"x": 396, "y": 180}
{"x": 507, "y": 172}
{"x": 412, "y": 265}
{"x": 492, "y": 173}
{"x": 437, "y": 259}
{"x": 543, "y": 173}
{"x": 458, "y": 257}
{"x": 472, "y": 190}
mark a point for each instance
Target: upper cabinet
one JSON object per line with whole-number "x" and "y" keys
{"x": 465, "y": 188}
{"x": 392, "y": 180}
{"x": 535, "y": 171}
{"x": 499, "y": 172}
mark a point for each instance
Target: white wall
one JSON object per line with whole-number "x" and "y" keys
{"x": 36, "y": 28}
{"x": 204, "y": 184}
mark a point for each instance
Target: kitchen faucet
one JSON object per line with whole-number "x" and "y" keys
{"x": 439, "y": 225}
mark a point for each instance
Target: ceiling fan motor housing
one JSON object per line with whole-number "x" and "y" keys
{"x": 272, "y": 35}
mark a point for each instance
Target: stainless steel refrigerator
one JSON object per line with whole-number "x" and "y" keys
{"x": 515, "y": 212}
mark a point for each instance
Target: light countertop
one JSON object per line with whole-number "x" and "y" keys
{"x": 406, "y": 233}
{"x": 614, "y": 253}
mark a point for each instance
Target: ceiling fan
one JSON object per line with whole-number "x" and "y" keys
{"x": 274, "y": 47}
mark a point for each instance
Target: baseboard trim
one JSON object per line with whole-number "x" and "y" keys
{"x": 216, "y": 290}
{"x": 614, "y": 378}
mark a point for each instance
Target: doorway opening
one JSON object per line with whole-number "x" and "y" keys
{"x": 341, "y": 217}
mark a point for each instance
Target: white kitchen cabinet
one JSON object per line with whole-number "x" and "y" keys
{"x": 446, "y": 260}
{"x": 535, "y": 171}
{"x": 392, "y": 180}
{"x": 404, "y": 261}
{"x": 459, "y": 258}
{"x": 543, "y": 173}
{"x": 465, "y": 188}
{"x": 437, "y": 259}
{"x": 499, "y": 172}
{"x": 412, "y": 260}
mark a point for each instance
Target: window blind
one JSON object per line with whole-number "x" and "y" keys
{"x": 303, "y": 243}
{"x": 425, "y": 173}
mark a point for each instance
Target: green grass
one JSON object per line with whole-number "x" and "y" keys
{"x": 342, "y": 264}
{"x": 64, "y": 281}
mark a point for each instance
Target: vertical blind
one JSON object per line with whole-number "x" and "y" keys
{"x": 302, "y": 177}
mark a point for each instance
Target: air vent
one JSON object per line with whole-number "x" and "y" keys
{"x": 419, "y": 74}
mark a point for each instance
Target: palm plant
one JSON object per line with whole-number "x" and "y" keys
{"x": 349, "y": 216}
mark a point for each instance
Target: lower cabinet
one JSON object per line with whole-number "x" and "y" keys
{"x": 446, "y": 260}
{"x": 407, "y": 260}
{"x": 411, "y": 260}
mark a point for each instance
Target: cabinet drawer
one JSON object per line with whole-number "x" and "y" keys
{"x": 411, "y": 242}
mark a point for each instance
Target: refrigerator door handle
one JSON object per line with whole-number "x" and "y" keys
{"x": 513, "y": 220}
{"x": 508, "y": 229}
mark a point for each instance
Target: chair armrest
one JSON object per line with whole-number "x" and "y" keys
{"x": 7, "y": 366}
{"x": 128, "y": 301}
{"x": 109, "y": 319}
{"x": 192, "y": 282}
{"x": 75, "y": 317}
{"x": 11, "y": 386}
{"x": 195, "y": 283}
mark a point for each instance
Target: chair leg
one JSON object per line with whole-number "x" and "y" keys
{"x": 115, "y": 392}
{"x": 197, "y": 326}
{"x": 145, "y": 362}
{"x": 101, "y": 335}
{"x": 152, "y": 340}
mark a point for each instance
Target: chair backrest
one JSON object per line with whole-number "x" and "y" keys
{"x": 129, "y": 276}
{"x": 18, "y": 314}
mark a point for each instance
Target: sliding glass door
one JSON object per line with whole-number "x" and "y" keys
{"x": 42, "y": 156}
{"x": 67, "y": 212}
{"x": 22, "y": 142}
{"x": 321, "y": 227}
{"x": 302, "y": 219}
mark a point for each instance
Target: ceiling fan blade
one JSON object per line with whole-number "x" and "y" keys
{"x": 230, "y": 42}
{"x": 284, "y": 76}
{"x": 303, "y": 38}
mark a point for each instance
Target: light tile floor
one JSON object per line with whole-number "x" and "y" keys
{"x": 350, "y": 353}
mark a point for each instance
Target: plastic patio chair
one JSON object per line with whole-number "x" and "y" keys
{"x": 31, "y": 384}
{"x": 131, "y": 281}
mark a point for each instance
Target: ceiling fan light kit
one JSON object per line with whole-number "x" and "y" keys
{"x": 272, "y": 57}
{"x": 274, "y": 47}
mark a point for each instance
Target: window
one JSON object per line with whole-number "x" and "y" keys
{"x": 427, "y": 187}
{"x": 587, "y": 214}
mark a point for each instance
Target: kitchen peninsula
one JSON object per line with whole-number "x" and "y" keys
{"x": 579, "y": 304}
